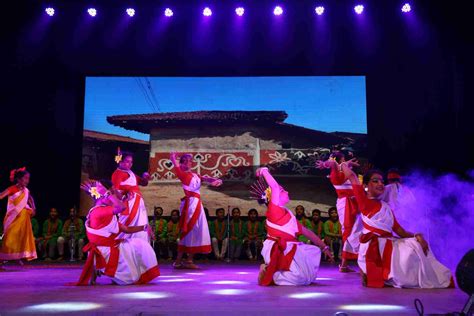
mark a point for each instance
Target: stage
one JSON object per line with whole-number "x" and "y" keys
{"x": 218, "y": 288}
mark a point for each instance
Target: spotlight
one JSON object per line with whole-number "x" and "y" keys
{"x": 240, "y": 11}
{"x": 207, "y": 11}
{"x": 168, "y": 12}
{"x": 371, "y": 307}
{"x": 359, "y": 9}
{"x": 278, "y": 10}
{"x": 49, "y": 11}
{"x": 131, "y": 12}
{"x": 319, "y": 10}
{"x": 406, "y": 8}
{"x": 92, "y": 12}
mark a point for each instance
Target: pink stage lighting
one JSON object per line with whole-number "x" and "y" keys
{"x": 168, "y": 12}
{"x": 359, "y": 9}
{"x": 240, "y": 11}
{"x": 319, "y": 10}
{"x": 92, "y": 12}
{"x": 207, "y": 12}
{"x": 278, "y": 10}
{"x": 49, "y": 11}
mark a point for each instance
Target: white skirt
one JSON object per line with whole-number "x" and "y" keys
{"x": 303, "y": 268}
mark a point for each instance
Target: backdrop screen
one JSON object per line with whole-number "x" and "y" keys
{"x": 230, "y": 125}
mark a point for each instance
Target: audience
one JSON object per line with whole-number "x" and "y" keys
{"x": 332, "y": 233}
{"x": 52, "y": 229}
{"x": 173, "y": 235}
{"x": 73, "y": 231}
{"x": 236, "y": 234}
{"x": 254, "y": 235}
{"x": 301, "y": 217}
{"x": 218, "y": 231}
{"x": 316, "y": 224}
{"x": 160, "y": 229}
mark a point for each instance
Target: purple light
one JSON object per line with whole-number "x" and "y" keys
{"x": 207, "y": 12}
{"x": 168, "y": 12}
{"x": 130, "y": 12}
{"x": 240, "y": 11}
{"x": 278, "y": 10}
{"x": 49, "y": 11}
{"x": 92, "y": 12}
{"x": 406, "y": 8}
{"x": 359, "y": 9}
{"x": 319, "y": 10}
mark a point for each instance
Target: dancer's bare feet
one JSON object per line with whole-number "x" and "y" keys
{"x": 261, "y": 273}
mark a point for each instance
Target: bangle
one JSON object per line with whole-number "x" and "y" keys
{"x": 145, "y": 227}
{"x": 325, "y": 248}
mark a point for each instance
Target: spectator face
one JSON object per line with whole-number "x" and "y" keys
{"x": 158, "y": 212}
{"x": 126, "y": 163}
{"x": 174, "y": 217}
{"x": 53, "y": 213}
{"x": 253, "y": 216}
{"x": 315, "y": 217}
{"x": 72, "y": 213}
{"x": 236, "y": 214}
{"x": 220, "y": 214}
{"x": 333, "y": 215}
{"x": 299, "y": 210}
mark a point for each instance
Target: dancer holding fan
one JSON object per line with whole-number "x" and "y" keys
{"x": 287, "y": 261}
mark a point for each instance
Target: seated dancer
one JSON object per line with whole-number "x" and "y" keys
{"x": 253, "y": 235}
{"x": 218, "y": 231}
{"x": 351, "y": 224}
{"x": 194, "y": 232}
{"x": 172, "y": 235}
{"x": 405, "y": 262}
{"x": 127, "y": 182}
{"x": 287, "y": 261}
{"x": 125, "y": 261}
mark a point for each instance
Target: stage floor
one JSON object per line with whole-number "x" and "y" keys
{"x": 218, "y": 288}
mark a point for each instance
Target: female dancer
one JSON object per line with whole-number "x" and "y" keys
{"x": 18, "y": 240}
{"x": 194, "y": 231}
{"x": 405, "y": 262}
{"x": 126, "y": 261}
{"x": 287, "y": 261}
{"x": 349, "y": 218}
{"x": 125, "y": 180}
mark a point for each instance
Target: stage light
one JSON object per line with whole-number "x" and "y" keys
{"x": 169, "y": 276}
{"x": 278, "y": 10}
{"x": 406, "y": 8}
{"x": 240, "y": 11}
{"x": 243, "y": 273}
{"x": 229, "y": 292}
{"x": 177, "y": 280}
{"x": 319, "y": 10}
{"x": 62, "y": 307}
{"x": 207, "y": 11}
{"x": 130, "y": 12}
{"x": 195, "y": 273}
{"x": 143, "y": 295}
{"x": 371, "y": 307}
{"x": 307, "y": 295}
{"x": 168, "y": 12}
{"x": 359, "y": 9}
{"x": 92, "y": 12}
{"x": 324, "y": 279}
{"x": 224, "y": 282}
{"x": 49, "y": 11}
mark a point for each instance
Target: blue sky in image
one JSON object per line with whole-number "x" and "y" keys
{"x": 322, "y": 103}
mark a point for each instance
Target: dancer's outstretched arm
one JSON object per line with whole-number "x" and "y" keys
{"x": 3, "y": 194}
{"x": 272, "y": 183}
{"x": 215, "y": 182}
{"x": 318, "y": 242}
{"x": 174, "y": 160}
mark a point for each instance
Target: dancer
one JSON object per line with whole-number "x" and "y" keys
{"x": 346, "y": 208}
{"x": 194, "y": 231}
{"x": 18, "y": 240}
{"x": 287, "y": 261}
{"x": 127, "y": 182}
{"x": 405, "y": 262}
{"x": 126, "y": 261}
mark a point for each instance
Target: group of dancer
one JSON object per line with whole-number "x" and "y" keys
{"x": 119, "y": 235}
